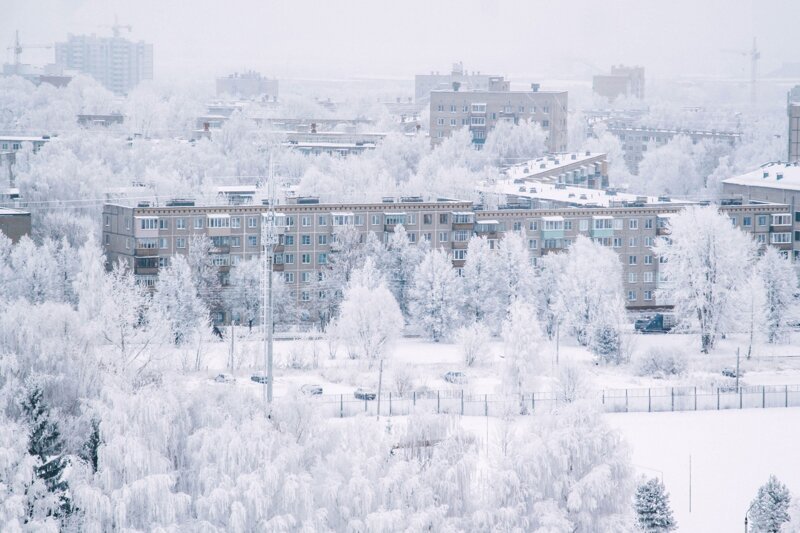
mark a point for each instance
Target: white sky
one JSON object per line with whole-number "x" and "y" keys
{"x": 377, "y": 38}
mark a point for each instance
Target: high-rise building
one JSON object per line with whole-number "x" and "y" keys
{"x": 793, "y": 110}
{"x": 481, "y": 110}
{"x": 115, "y": 62}
{"x": 623, "y": 81}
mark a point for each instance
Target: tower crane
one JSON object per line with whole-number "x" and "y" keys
{"x": 754, "y": 54}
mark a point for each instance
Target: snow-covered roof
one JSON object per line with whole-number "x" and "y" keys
{"x": 772, "y": 175}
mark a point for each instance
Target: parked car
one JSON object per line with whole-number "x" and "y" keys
{"x": 259, "y": 378}
{"x": 311, "y": 389}
{"x": 455, "y": 377}
{"x": 730, "y": 372}
{"x": 224, "y": 378}
{"x": 362, "y": 393}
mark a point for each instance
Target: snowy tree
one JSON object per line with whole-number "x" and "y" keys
{"x": 522, "y": 339}
{"x": 779, "y": 280}
{"x": 436, "y": 295}
{"x": 769, "y": 510}
{"x": 46, "y": 444}
{"x": 474, "y": 341}
{"x": 177, "y": 301}
{"x": 481, "y": 282}
{"x": 703, "y": 262}
{"x": 653, "y": 512}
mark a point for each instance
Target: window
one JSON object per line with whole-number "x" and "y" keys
{"x": 305, "y": 240}
{"x": 180, "y": 242}
{"x": 236, "y": 222}
{"x": 236, "y": 242}
{"x": 305, "y": 259}
{"x": 648, "y": 276}
{"x": 251, "y": 222}
{"x": 631, "y": 259}
{"x": 633, "y": 223}
{"x": 180, "y": 223}
{"x": 648, "y": 260}
{"x": 149, "y": 223}
{"x": 762, "y": 220}
{"x": 288, "y": 259}
{"x": 252, "y": 240}
{"x": 781, "y": 238}
{"x": 632, "y": 277}
{"x": 459, "y": 255}
{"x": 648, "y": 295}
{"x": 631, "y": 296}
{"x": 322, "y": 240}
{"x": 322, "y": 259}
{"x": 305, "y": 221}
{"x": 288, "y": 240}
{"x": 444, "y": 236}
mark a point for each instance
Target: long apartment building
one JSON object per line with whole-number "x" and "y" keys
{"x": 481, "y": 111}
{"x": 147, "y": 237}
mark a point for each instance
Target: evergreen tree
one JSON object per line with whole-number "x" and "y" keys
{"x": 770, "y": 508}
{"x": 45, "y": 443}
{"x": 653, "y": 512}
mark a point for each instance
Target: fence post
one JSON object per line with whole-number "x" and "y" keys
{"x": 717, "y": 398}
{"x": 390, "y": 404}
{"x": 763, "y": 396}
{"x": 626, "y": 400}
{"x": 462, "y": 402}
{"x": 672, "y": 395}
{"x": 341, "y": 406}
{"x": 648, "y": 400}
{"x": 695, "y": 398}
{"x": 786, "y": 395}
{"x": 437, "y": 402}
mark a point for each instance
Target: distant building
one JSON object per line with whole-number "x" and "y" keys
{"x": 635, "y": 140}
{"x": 250, "y": 85}
{"x": 773, "y": 182}
{"x": 793, "y": 110}
{"x": 583, "y": 169}
{"x": 425, "y": 83}
{"x": 15, "y": 223}
{"x": 115, "y": 62}
{"x": 623, "y": 81}
{"x": 481, "y": 110}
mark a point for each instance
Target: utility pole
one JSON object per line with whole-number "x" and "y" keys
{"x": 268, "y": 238}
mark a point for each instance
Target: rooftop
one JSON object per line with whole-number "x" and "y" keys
{"x": 774, "y": 175}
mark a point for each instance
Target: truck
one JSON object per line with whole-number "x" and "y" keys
{"x": 658, "y": 323}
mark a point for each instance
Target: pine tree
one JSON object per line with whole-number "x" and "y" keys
{"x": 769, "y": 509}
{"x": 45, "y": 443}
{"x": 653, "y": 512}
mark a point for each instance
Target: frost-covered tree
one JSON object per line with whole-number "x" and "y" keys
{"x": 779, "y": 280}
{"x": 769, "y": 510}
{"x": 703, "y": 263}
{"x": 473, "y": 339}
{"x": 481, "y": 280}
{"x": 522, "y": 340}
{"x": 177, "y": 302}
{"x": 436, "y": 295}
{"x": 653, "y": 512}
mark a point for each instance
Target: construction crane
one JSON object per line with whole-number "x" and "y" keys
{"x": 19, "y": 47}
{"x": 754, "y": 55}
{"x": 116, "y": 27}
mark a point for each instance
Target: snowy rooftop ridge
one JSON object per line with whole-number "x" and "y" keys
{"x": 775, "y": 175}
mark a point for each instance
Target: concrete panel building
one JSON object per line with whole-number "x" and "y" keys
{"x": 15, "y": 223}
{"x": 480, "y": 111}
{"x": 249, "y": 85}
{"x": 623, "y": 81}
{"x": 117, "y": 63}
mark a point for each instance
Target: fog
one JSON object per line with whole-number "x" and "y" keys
{"x": 360, "y": 38}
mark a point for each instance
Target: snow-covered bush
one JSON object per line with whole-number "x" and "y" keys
{"x": 660, "y": 363}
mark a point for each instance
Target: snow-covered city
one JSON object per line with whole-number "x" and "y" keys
{"x": 400, "y": 266}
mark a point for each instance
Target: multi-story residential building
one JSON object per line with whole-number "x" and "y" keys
{"x": 147, "y": 237}
{"x": 635, "y": 140}
{"x": 425, "y": 83}
{"x": 773, "y": 182}
{"x": 583, "y": 169}
{"x": 480, "y": 111}
{"x": 14, "y": 223}
{"x": 248, "y": 84}
{"x": 623, "y": 81}
{"x": 793, "y": 110}
{"x": 115, "y": 62}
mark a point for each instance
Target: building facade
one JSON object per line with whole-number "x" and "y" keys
{"x": 773, "y": 182}
{"x": 249, "y": 85}
{"x": 623, "y": 81}
{"x": 146, "y": 238}
{"x": 115, "y": 62}
{"x": 793, "y": 110}
{"x": 480, "y": 111}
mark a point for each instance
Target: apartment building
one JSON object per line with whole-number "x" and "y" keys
{"x": 636, "y": 140}
{"x": 147, "y": 237}
{"x": 772, "y": 182}
{"x": 623, "y": 81}
{"x": 248, "y": 84}
{"x": 115, "y": 62}
{"x": 793, "y": 110}
{"x": 480, "y": 111}
{"x": 469, "y": 81}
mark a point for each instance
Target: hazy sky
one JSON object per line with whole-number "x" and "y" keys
{"x": 374, "y": 38}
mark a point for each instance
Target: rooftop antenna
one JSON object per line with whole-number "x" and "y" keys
{"x": 268, "y": 240}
